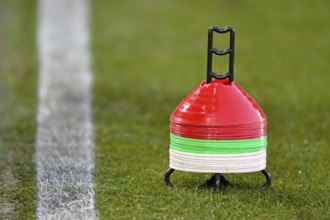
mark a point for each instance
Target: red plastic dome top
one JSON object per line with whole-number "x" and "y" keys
{"x": 218, "y": 104}
{"x": 218, "y": 110}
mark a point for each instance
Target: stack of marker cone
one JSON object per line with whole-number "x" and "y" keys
{"x": 218, "y": 128}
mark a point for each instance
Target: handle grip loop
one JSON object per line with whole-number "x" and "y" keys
{"x": 211, "y": 50}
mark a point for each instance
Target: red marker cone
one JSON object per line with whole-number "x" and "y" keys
{"x": 218, "y": 128}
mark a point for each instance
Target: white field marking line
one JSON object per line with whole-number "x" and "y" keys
{"x": 64, "y": 146}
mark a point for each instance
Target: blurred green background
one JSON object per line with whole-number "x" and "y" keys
{"x": 147, "y": 56}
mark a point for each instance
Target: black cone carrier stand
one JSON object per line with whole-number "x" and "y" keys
{"x": 218, "y": 180}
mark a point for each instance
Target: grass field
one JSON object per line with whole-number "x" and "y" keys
{"x": 147, "y": 56}
{"x": 18, "y": 85}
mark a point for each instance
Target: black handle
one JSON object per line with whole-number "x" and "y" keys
{"x": 211, "y": 50}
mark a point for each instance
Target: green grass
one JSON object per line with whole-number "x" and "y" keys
{"x": 18, "y": 75}
{"x": 149, "y": 55}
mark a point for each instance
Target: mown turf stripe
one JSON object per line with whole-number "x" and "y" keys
{"x": 17, "y": 109}
{"x": 65, "y": 159}
{"x": 8, "y": 182}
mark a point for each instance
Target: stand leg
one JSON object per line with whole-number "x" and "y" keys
{"x": 216, "y": 181}
{"x": 268, "y": 179}
{"x": 167, "y": 176}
